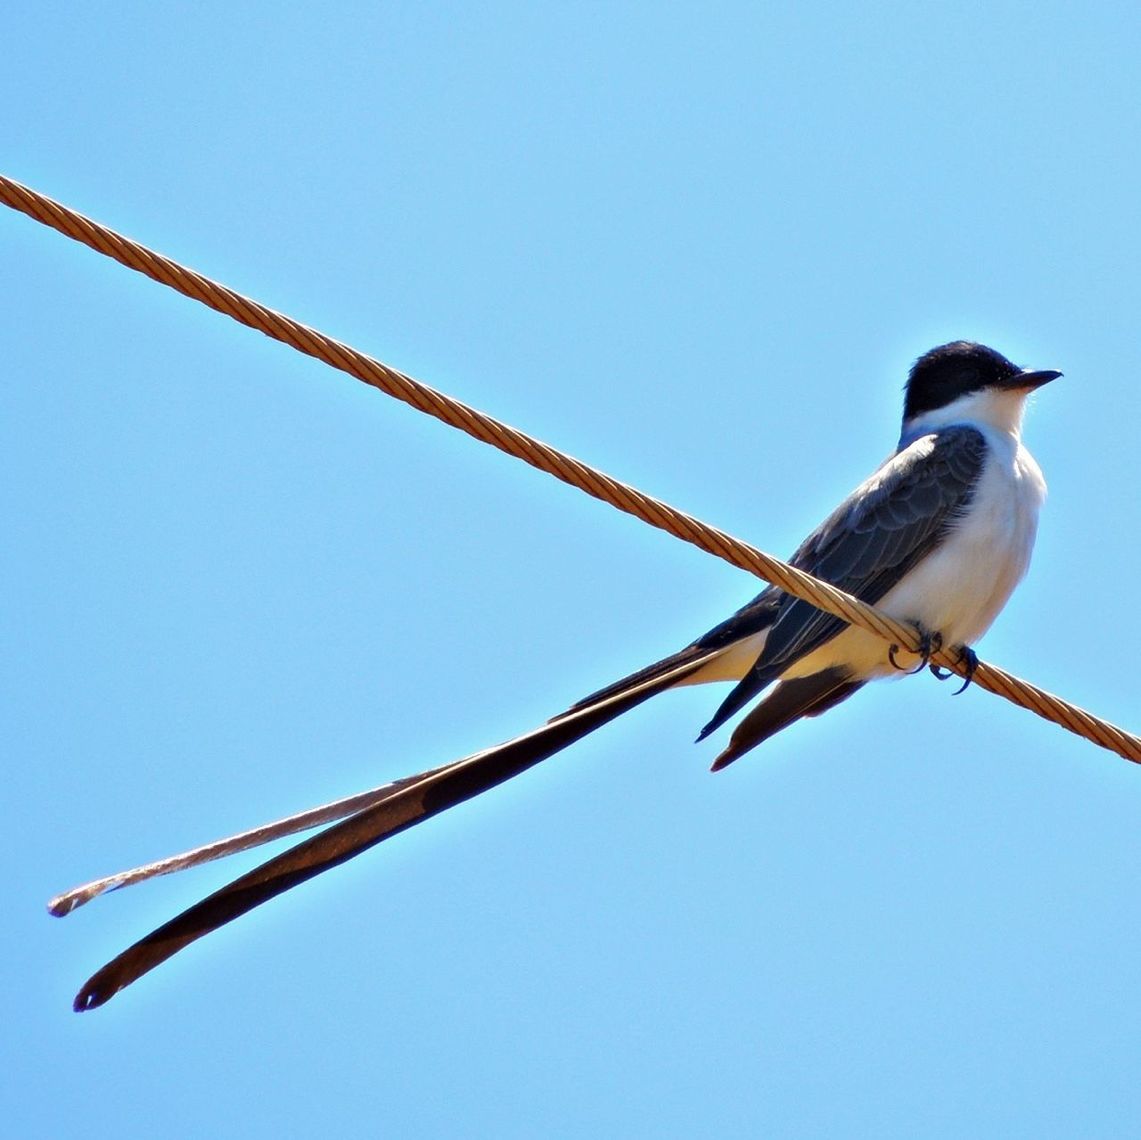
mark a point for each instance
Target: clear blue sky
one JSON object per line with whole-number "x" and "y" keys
{"x": 692, "y": 247}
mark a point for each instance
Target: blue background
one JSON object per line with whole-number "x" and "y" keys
{"x": 697, "y": 246}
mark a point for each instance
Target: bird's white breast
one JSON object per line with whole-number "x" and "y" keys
{"x": 959, "y": 589}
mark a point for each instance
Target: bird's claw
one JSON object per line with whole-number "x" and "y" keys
{"x": 929, "y": 643}
{"x": 970, "y": 660}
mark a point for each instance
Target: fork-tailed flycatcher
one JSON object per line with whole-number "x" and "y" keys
{"x": 938, "y": 536}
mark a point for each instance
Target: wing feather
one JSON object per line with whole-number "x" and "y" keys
{"x": 902, "y": 513}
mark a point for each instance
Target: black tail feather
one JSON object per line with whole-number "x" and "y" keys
{"x": 411, "y": 802}
{"x": 788, "y": 702}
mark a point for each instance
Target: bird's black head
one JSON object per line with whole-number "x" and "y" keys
{"x": 952, "y": 370}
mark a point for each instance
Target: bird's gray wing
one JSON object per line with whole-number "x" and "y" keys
{"x": 891, "y": 522}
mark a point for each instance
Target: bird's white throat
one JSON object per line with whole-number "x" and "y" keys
{"x": 999, "y": 408}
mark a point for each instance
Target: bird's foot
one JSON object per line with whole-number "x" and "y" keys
{"x": 929, "y": 643}
{"x": 970, "y": 660}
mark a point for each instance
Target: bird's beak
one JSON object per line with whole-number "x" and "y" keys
{"x": 1027, "y": 380}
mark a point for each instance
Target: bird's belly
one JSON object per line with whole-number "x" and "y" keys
{"x": 959, "y": 589}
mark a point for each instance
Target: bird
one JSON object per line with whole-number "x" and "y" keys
{"x": 938, "y": 536}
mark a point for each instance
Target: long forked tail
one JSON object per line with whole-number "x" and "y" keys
{"x": 411, "y": 801}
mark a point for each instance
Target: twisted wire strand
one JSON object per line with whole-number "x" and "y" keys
{"x": 546, "y": 458}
